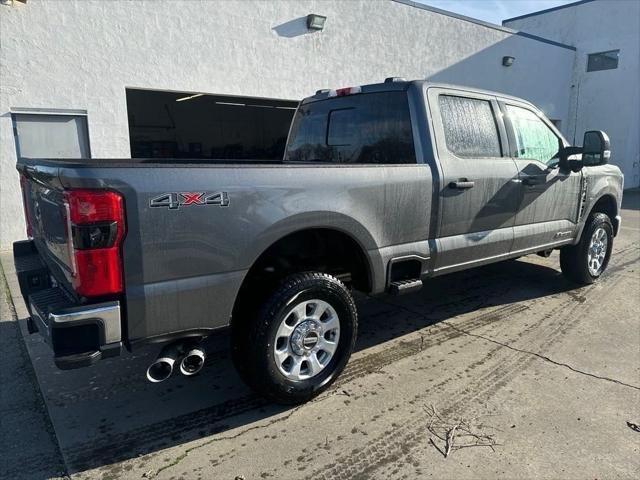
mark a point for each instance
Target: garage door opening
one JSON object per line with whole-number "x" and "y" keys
{"x": 194, "y": 125}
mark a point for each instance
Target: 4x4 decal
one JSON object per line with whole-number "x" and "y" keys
{"x": 181, "y": 199}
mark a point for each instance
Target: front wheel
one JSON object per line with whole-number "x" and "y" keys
{"x": 301, "y": 339}
{"x": 585, "y": 262}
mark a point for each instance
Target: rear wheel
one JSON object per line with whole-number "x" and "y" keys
{"x": 585, "y": 262}
{"x": 299, "y": 342}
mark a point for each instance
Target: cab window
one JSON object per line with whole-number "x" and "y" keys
{"x": 369, "y": 128}
{"x": 470, "y": 129}
{"x": 534, "y": 139}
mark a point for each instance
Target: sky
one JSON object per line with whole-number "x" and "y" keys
{"x": 494, "y": 11}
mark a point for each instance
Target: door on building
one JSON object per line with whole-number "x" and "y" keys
{"x": 51, "y": 135}
{"x": 195, "y": 125}
{"x": 478, "y": 188}
{"x": 548, "y": 208}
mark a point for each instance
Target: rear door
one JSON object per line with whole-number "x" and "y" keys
{"x": 549, "y": 197}
{"x": 479, "y": 188}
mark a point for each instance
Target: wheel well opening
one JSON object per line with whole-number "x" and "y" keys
{"x": 606, "y": 205}
{"x": 322, "y": 250}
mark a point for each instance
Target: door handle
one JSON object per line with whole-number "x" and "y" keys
{"x": 462, "y": 184}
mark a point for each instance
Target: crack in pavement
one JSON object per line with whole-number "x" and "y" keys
{"x": 543, "y": 357}
{"x": 528, "y": 352}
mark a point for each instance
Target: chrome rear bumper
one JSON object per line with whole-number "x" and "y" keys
{"x": 79, "y": 335}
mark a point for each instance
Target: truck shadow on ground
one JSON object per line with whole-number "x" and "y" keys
{"x": 110, "y": 413}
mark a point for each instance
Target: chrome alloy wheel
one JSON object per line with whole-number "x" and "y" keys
{"x": 307, "y": 339}
{"x": 597, "y": 251}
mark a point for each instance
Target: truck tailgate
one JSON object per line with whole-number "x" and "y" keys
{"x": 46, "y": 215}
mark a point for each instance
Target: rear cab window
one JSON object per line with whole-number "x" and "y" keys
{"x": 470, "y": 129}
{"x": 367, "y": 128}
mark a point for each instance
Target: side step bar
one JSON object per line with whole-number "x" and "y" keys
{"x": 401, "y": 287}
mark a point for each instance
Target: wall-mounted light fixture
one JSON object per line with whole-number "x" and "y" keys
{"x": 507, "y": 61}
{"x": 316, "y": 22}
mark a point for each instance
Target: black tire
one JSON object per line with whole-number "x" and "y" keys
{"x": 254, "y": 343}
{"x": 574, "y": 258}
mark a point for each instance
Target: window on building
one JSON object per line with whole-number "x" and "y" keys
{"x": 534, "y": 139}
{"x": 43, "y": 135}
{"x": 364, "y": 128}
{"x": 603, "y": 60}
{"x": 206, "y": 126}
{"x": 470, "y": 128}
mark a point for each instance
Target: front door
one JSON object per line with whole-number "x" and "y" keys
{"x": 549, "y": 198}
{"x": 479, "y": 186}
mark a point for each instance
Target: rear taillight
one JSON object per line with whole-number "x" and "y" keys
{"x": 95, "y": 227}
{"x": 27, "y": 217}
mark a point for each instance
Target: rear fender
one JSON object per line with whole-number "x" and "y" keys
{"x": 323, "y": 220}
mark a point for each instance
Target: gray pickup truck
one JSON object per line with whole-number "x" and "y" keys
{"x": 381, "y": 187}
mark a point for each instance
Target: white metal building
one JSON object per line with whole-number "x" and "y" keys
{"x": 212, "y": 78}
{"x": 605, "y": 89}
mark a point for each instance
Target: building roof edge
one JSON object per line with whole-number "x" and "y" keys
{"x": 501, "y": 28}
{"x": 547, "y": 10}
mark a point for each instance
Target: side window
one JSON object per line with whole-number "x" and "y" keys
{"x": 362, "y": 128}
{"x": 470, "y": 128}
{"x": 534, "y": 139}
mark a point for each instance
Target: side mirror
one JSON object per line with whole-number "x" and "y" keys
{"x": 574, "y": 164}
{"x": 596, "y": 148}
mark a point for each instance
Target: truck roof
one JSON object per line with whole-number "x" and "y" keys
{"x": 399, "y": 84}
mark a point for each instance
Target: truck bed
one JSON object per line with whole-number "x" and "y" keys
{"x": 174, "y": 257}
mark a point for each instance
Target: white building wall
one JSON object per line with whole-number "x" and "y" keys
{"x": 82, "y": 55}
{"x": 606, "y": 100}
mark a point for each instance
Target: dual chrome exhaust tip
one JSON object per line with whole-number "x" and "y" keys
{"x": 190, "y": 359}
{"x": 192, "y": 362}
